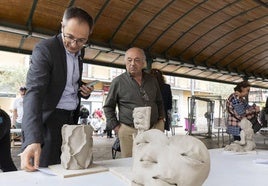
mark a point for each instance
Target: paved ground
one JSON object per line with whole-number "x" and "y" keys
{"x": 102, "y": 146}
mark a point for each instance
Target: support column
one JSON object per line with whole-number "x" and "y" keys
{"x": 149, "y": 61}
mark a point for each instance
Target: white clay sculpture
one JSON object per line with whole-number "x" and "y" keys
{"x": 77, "y": 146}
{"x": 158, "y": 160}
{"x": 247, "y": 142}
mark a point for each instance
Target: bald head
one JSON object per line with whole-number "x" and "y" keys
{"x": 135, "y": 61}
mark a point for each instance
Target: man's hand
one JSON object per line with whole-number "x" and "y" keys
{"x": 31, "y": 152}
{"x": 86, "y": 91}
{"x": 116, "y": 129}
{"x": 257, "y": 109}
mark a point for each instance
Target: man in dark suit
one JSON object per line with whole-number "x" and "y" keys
{"x": 54, "y": 89}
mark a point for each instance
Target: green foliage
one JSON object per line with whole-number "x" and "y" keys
{"x": 12, "y": 79}
{"x": 223, "y": 90}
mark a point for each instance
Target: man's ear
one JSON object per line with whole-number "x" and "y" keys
{"x": 61, "y": 26}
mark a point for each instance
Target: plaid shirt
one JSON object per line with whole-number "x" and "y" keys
{"x": 237, "y": 109}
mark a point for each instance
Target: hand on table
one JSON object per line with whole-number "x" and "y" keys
{"x": 31, "y": 152}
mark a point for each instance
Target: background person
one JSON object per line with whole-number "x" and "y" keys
{"x": 166, "y": 96}
{"x": 238, "y": 108}
{"x": 134, "y": 88}
{"x": 97, "y": 123}
{"x": 264, "y": 114}
{"x": 99, "y": 113}
{"x": 109, "y": 132}
{"x": 83, "y": 115}
{"x": 6, "y": 162}
{"x": 18, "y": 109}
{"x": 54, "y": 90}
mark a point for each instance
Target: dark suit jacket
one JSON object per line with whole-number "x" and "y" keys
{"x": 46, "y": 80}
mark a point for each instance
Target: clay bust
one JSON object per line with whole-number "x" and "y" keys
{"x": 161, "y": 161}
{"x": 142, "y": 116}
{"x": 247, "y": 141}
{"x": 77, "y": 146}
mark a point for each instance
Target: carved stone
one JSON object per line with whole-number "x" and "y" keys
{"x": 142, "y": 117}
{"x": 161, "y": 161}
{"x": 247, "y": 142}
{"x": 77, "y": 143}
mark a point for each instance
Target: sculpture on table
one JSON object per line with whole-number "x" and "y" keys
{"x": 160, "y": 161}
{"x": 77, "y": 143}
{"x": 142, "y": 116}
{"x": 247, "y": 142}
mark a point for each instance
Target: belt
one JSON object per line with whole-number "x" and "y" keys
{"x": 66, "y": 112}
{"x": 130, "y": 125}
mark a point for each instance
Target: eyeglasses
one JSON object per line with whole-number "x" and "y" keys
{"x": 72, "y": 39}
{"x": 144, "y": 95}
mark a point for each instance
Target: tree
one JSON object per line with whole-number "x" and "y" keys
{"x": 12, "y": 79}
{"x": 221, "y": 89}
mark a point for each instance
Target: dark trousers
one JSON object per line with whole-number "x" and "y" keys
{"x": 6, "y": 162}
{"x": 51, "y": 149}
{"x": 109, "y": 133}
{"x": 237, "y": 138}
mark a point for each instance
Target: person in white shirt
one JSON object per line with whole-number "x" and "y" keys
{"x": 97, "y": 123}
{"x": 18, "y": 109}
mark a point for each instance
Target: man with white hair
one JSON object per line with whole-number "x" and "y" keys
{"x": 134, "y": 88}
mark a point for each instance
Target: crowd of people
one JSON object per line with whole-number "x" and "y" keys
{"x": 96, "y": 119}
{"x": 55, "y": 88}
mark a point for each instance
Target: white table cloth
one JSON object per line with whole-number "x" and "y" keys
{"x": 227, "y": 169}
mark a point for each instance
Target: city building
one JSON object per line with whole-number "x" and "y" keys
{"x": 182, "y": 88}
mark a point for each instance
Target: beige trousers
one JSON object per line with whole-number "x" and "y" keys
{"x": 125, "y": 135}
{"x": 159, "y": 125}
